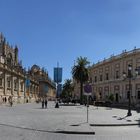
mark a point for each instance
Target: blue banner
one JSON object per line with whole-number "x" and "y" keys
{"x": 27, "y": 82}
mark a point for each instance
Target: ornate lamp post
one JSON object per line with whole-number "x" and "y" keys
{"x": 129, "y": 76}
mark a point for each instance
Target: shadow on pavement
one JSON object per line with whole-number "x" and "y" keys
{"x": 138, "y": 122}
{"x": 78, "y": 124}
{"x": 122, "y": 118}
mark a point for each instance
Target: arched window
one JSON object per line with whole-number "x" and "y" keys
{"x": 9, "y": 59}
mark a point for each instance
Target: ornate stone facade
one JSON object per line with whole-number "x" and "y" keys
{"x": 106, "y": 77}
{"x": 47, "y": 88}
{"x": 13, "y": 76}
{"x": 15, "y": 82}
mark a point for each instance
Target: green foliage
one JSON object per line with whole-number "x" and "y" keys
{"x": 67, "y": 89}
{"x": 80, "y": 72}
{"x": 110, "y": 97}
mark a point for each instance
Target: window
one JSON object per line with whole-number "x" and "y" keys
{"x": 21, "y": 86}
{"x": 117, "y": 74}
{"x": 9, "y": 59}
{"x": 8, "y": 84}
{"x": 90, "y": 80}
{"x": 95, "y": 78}
{"x": 138, "y": 70}
{"x": 15, "y": 85}
{"x": 101, "y": 78}
{"x": 1, "y": 82}
{"x": 107, "y": 76}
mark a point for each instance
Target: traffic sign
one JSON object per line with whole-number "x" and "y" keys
{"x": 87, "y": 89}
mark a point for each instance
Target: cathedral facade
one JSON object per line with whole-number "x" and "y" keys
{"x": 15, "y": 82}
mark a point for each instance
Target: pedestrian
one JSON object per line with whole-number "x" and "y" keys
{"x": 43, "y": 103}
{"x": 46, "y": 102}
{"x": 10, "y": 101}
{"x": 5, "y": 99}
{"x": 56, "y": 105}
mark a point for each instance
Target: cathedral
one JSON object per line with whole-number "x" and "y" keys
{"x": 15, "y": 82}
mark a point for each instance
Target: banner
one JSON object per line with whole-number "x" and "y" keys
{"x": 27, "y": 82}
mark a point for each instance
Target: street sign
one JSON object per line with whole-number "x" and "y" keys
{"x": 87, "y": 92}
{"x": 87, "y": 89}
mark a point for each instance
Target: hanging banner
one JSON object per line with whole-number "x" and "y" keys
{"x": 27, "y": 82}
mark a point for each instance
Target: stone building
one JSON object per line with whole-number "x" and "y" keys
{"x": 106, "y": 78}
{"x": 13, "y": 76}
{"x": 47, "y": 88}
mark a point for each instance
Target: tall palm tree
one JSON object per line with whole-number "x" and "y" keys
{"x": 80, "y": 73}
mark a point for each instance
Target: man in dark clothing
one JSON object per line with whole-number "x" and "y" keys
{"x": 46, "y": 102}
{"x": 42, "y": 103}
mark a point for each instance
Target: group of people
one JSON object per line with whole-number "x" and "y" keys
{"x": 4, "y": 100}
{"x": 44, "y": 103}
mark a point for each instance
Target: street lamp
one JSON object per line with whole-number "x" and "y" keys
{"x": 129, "y": 76}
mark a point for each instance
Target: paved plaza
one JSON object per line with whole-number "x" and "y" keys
{"x": 31, "y": 122}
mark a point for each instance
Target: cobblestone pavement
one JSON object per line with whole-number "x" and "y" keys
{"x": 30, "y": 122}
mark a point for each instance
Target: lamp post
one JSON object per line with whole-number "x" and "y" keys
{"x": 129, "y": 76}
{"x": 130, "y": 90}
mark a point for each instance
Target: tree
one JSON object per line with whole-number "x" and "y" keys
{"x": 110, "y": 97}
{"x": 67, "y": 89}
{"x": 80, "y": 73}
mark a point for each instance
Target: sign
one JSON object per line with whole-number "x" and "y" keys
{"x": 87, "y": 89}
{"x": 27, "y": 82}
{"x": 58, "y": 75}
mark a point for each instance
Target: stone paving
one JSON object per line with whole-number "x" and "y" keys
{"x": 31, "y": 117}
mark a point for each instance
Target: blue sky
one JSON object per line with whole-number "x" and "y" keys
{"x": 51, "y": 31}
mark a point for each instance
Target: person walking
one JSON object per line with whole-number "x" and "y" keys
{"x": 46, "y": 102}
{"x": 10, "y": 101}
{"x": 43, "y": 103}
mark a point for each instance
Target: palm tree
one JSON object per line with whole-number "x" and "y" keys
{"x": 67, "y": 89}
{"x": 80, "y": 73}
